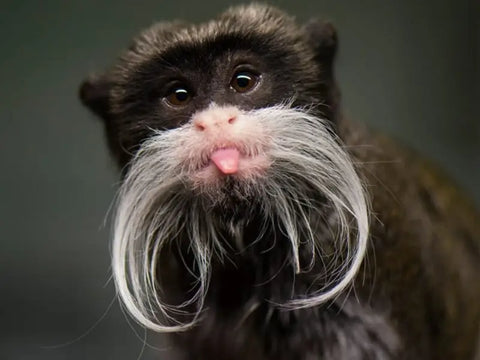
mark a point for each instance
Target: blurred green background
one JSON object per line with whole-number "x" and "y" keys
{"x": 408, "y": 68}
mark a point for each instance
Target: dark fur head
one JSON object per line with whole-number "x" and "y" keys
{"x": 227, "y": 129}
{"x": 295, "y": 62}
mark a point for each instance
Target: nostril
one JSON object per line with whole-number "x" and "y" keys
{"x": 199, "y": 126}
{"x": 232, "y": 120}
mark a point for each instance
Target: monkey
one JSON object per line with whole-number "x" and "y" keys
{"x": 255, "y": 221}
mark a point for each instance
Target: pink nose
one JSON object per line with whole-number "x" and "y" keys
{"x": 215, "y": 118}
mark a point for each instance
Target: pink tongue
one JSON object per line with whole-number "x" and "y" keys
{"x": 226, "y": 160}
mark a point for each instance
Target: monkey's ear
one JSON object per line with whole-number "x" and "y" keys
{"x": 322, "y": 36}
{"x": 95, "y": 94}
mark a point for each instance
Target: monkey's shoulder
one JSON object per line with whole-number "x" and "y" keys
{"x": 414, "y": 202}
{"x": 400, "y": 180}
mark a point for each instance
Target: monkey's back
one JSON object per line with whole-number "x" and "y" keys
{"x": 425, "y": 255}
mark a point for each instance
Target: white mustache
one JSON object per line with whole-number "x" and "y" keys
{"x": 158, "y": 201}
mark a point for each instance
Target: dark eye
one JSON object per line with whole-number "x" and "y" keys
{"x": 243, "y": 81}
{"x": 178, "y": 96}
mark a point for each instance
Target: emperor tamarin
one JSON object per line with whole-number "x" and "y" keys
{"x": 255, "y": 222}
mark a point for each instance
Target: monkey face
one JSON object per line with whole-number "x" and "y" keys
{"x": 206, "y": 95}
{"x": 174, "y": 70}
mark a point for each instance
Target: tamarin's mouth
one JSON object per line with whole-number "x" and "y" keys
{"x": 226, "y": 160}
{"x": 231, "y": 160}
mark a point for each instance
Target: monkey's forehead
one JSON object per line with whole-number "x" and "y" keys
{"x": 261, "y": 25}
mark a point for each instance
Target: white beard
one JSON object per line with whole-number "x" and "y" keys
{"x": 160, "y": 198}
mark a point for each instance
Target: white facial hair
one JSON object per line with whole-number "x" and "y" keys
{"x": 158, "y": 201}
